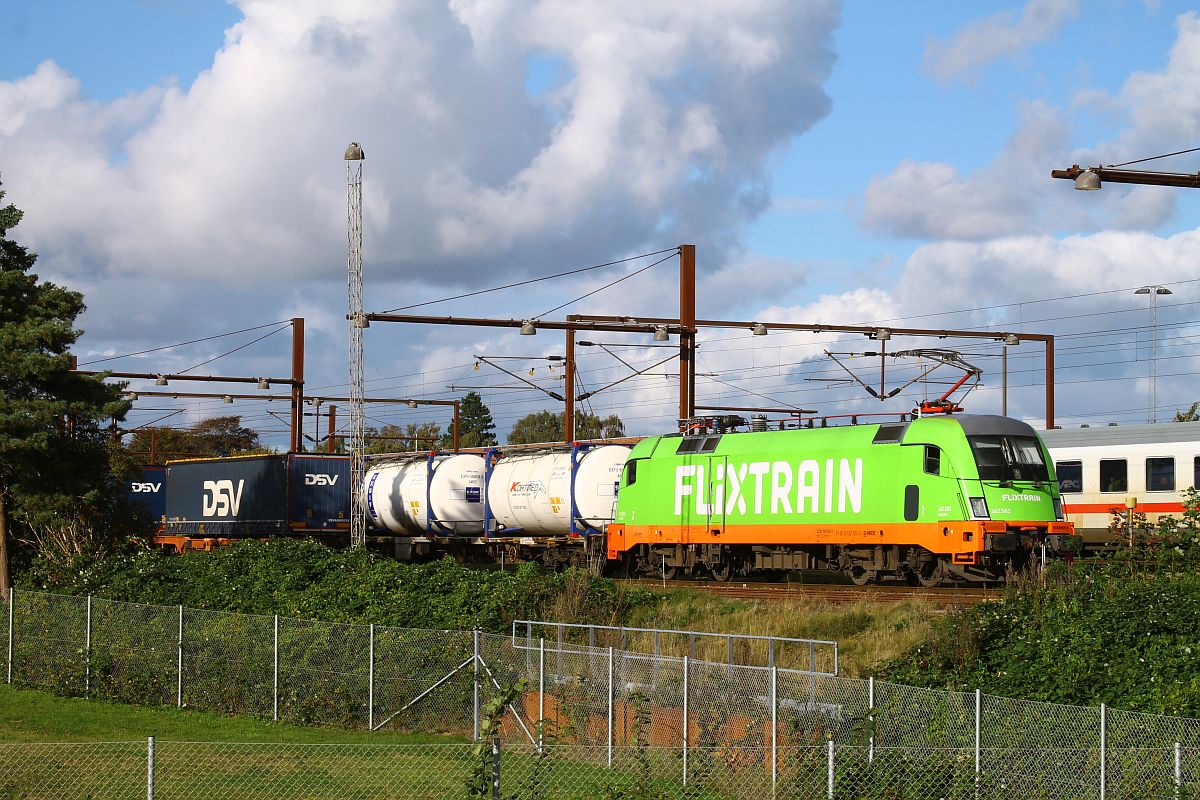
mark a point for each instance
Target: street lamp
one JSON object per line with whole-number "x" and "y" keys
{"x": 1154, "y": 291}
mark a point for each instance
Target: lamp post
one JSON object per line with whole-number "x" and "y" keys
{"x": 1154, "y": 291}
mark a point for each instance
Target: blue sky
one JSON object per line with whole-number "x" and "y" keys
{"x": 834, "y": 162}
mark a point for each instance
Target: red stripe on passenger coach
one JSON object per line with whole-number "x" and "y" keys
{"x": 1105, "y": 508}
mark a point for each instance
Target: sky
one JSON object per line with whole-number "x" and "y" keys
{"x": 179, "y": 162}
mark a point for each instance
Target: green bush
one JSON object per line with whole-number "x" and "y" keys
{"x": 308, "y": 580}
{"x": 1122, "y": 631}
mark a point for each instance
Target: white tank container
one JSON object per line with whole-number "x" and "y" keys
{"x": 398, "y": 501}
{"x": 533, "y": 492}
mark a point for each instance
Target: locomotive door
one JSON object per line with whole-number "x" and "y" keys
{"x": 715, "y": 476}
{"x": 705, "y": 514}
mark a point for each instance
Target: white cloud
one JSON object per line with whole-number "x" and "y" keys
{"x": 1014, "y": 194}
{"x": 660, "y": 134}
{"x": 1000, "y": 35}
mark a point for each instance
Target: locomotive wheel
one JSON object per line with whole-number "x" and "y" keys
{"x": 722, "y": 570}
{"x": 859, "y": 576}
{"x": 931, "y": 573}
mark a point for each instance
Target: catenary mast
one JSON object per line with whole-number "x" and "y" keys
{"x": 354, "y": 284}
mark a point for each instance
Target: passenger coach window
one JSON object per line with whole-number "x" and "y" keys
{"x": 933, "y": 460}
{"x": 1160, "y": 474}
{"x": 1070, "y": 476}
{"x": 1114, "y": 475}
{"x": 1196, "y": 471}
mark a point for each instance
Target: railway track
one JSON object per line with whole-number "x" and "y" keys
{"x": 948, "y": 597}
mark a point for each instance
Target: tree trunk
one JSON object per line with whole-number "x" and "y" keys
{"x": 5, "y": 575}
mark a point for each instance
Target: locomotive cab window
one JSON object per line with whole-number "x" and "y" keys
{"x": 933, "y": 460}
{"x": 1160, "y": 474}
{"x": 1008, "y": 458}
{"x": 630, "y": 472}
{"x": 1070, "y": 476}
{"x": 1114, "y": 475}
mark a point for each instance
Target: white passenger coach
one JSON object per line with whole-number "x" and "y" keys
{"x": 1098, "y": 467}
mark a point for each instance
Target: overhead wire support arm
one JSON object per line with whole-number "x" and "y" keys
{"x": 870, "y": 389}
{"x": 1093, "y": 177}
{"x": 586, "y": 395}
{"x": 554, "y": 395}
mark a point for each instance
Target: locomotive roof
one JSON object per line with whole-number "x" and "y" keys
{"x": 1122, "y": 434}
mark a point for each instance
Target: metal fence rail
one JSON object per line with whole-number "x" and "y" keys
{"x": 666, "y": 709}
{"x": 819, "y": 656}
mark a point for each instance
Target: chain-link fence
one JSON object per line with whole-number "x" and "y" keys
{"x": 661, "y": 721}
{"x": 203, "y": 770}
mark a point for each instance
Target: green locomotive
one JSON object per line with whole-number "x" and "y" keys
{"x": 933, "y": 500}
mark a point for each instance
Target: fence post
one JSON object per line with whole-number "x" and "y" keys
{"x": 610, "y": 707}
{"x": 871, "y": 719}
{"x": 541, "y": 691}
{"x": 11, "y": 601}
{"x": 774, "y": 725}
{"x": 978, "y": 731}
{"x": 179, "y": 665}
{"x": 812, "y": 676}
{"x": 495, "y": 768}
{"x": 686, "y": 670}
{"x": 1178, "y": 769}
{"x": 475, "y": 687}
{"x": 371, "y": 679}
{"x": 87, "y": 651}
{"x": 657, "y": 654}
{"x": 275, "y": 673}
{"x": 829, "y": 787}
{"x": 1103, "y": 750}
{"x": 149, "y": 768}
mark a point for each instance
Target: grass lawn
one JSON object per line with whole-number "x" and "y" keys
{"x": 28, "y": 715}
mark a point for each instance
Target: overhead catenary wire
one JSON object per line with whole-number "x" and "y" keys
{"x": 532, "y": 280}
{"x": 184, "y": 344}
{"x": 230, "y": 352}
{"x": 607, "y": 285}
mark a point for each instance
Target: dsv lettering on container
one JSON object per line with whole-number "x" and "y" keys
{"x": 145, "y": 487}
{"x": 317, "y": 479}
{"x": 221, "y": 499}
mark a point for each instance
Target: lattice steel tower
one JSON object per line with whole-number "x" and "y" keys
{"x": 354, "y": 288}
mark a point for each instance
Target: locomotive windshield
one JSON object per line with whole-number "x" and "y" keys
{"x": 1009, "y": 458}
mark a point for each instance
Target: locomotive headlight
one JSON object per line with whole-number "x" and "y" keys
{"x": 1058, "y": 509}
{"x": 979, "y": 509}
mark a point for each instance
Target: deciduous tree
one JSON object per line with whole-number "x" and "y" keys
{"x": 210, "y": 438}
{"x": 546, "y": 426}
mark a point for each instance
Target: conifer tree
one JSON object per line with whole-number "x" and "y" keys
{"x": 475, "y": 424}
{"x": 55, "y": 480}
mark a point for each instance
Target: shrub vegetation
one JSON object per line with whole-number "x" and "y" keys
{"x": 308, "y": 580}
{"x": 1125, "y": 631}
